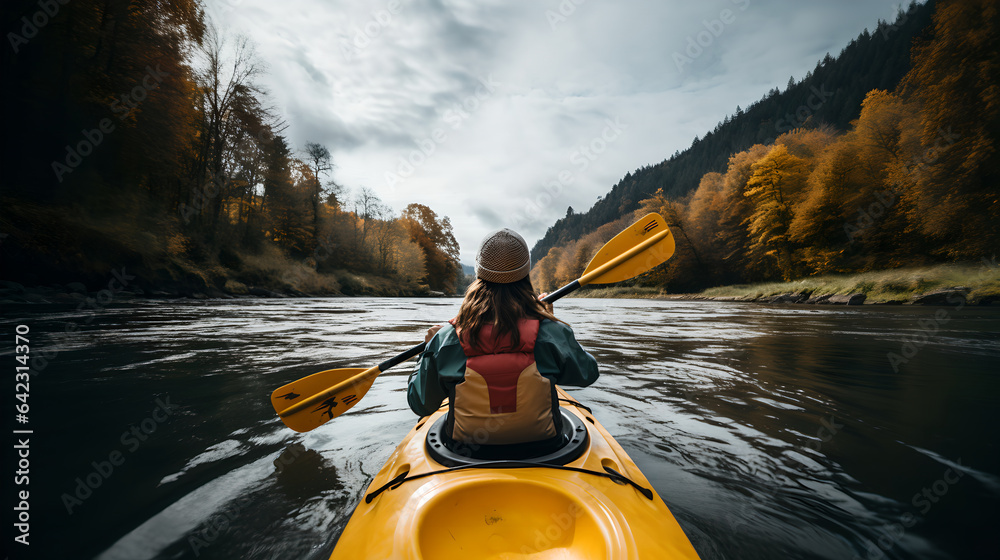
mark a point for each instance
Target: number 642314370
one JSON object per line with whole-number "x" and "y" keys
{"x": 21, "y": 354}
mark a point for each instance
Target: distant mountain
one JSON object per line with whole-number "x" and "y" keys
{"x": 830, "y": 94}
{"x": 466, "y": 269}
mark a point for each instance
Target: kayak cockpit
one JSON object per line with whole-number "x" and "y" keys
{"x": 586, "y": 500}
{"x": 566, "y": 447}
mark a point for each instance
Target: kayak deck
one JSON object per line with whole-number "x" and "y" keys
{"x": 513, "y": 513}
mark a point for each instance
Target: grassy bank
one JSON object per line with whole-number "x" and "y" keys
{"x": 620, "y": 292}
{"x": 981, "y": 281}
{"x": 900, "y": 285}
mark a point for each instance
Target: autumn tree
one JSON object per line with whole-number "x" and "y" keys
{"x": 704, "y": 212}
{"x": 732, "y": 235}
{"x": 584, "y": 252}
{"x": 368, "y": 207}
{"x": 954, "y": 78}
{"x": 776, "y": 180}
{"x": 408, "y": 258}
{"x": 544, "y": 271}
{"x": 386, "y": 233}
{"x": 821, "y": 224}
{"x": 230, "y": 93}
{"x": 881, "y": 192}
{"x": 283, "y": 203}
{"x": 374, "y": 230}
{"x": 673, "y": 214}
{"x": 565, "y": 269}
{"x": 436, "y": 239}
{"x": 321, "y": 164}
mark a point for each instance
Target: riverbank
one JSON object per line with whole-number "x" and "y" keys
{"x": 937, "y": 285}
{"x": 61, "y": 253}
{"x": 946, "y": 284}
{"x": 76, "y": 292}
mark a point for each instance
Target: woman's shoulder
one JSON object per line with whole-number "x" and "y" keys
{"x": 553, "y": 329}
{"x": 447, "y": 336}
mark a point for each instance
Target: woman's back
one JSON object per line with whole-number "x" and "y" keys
{"x": 499, "y": 360}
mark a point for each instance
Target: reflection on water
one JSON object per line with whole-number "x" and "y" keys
{"x": 769, "y": 431}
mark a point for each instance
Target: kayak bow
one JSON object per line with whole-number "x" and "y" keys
{"x": 596, "y": 506}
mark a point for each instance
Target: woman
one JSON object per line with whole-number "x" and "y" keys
{"x": 498, "y": 361}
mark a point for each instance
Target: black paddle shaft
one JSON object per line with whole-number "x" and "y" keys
{"x": 396, "y": 360}
{"x": 568, "y": 288}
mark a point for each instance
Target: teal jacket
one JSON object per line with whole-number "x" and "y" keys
{"x": 558, "y": 356}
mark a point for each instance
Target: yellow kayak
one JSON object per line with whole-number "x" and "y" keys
{"x": 587, "y": 500}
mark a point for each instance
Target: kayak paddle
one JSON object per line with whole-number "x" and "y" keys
{"x": 310, "y": 402}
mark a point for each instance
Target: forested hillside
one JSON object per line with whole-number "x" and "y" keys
{"x": 914, "y": 180}
{"x": 830, "y": 94}
{"x": 139, "y": 135}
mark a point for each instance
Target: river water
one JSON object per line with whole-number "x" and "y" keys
{"x": 770, "y": 431}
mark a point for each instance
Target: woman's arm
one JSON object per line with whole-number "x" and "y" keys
{"x": 424, "y": 392}
{"x": 558, "y": 355}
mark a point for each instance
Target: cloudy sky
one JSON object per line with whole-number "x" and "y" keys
{"x": 504, "y": 113}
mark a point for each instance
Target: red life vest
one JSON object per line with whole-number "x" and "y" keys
{"x": 503, "y": 399}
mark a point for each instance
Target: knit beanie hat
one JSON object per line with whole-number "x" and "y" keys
{"x": 503, "y": 257}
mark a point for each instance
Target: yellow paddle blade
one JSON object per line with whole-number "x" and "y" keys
{"x": 310, "y": 402}
{"x": 638, "y": 249}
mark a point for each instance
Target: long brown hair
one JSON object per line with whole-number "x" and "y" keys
{"x": 499, "y": 305}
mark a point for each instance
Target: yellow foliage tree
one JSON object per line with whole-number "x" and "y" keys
{"x": 674, "y": 215}
{"x": 736, "y": 209}
{"x": 775, "y": 181}
{"x": 954, "y": 77}
{"x": 543, "y": 275}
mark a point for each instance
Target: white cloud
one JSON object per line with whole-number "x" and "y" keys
{"x": 401, "y": 73}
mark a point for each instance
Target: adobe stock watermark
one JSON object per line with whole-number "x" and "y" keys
{"x": 361, "y": 37}
{"x": 200, "y": 196}
{"x": 868, "y": 216}
{"x": 562, "y": 524}
{"x": 901, "y": 19}
{"x": 582, "y": 157}
{"x": 702, "y": 40}
{"x": 884, "y": 200}
{"x": 90, "y": 306}
{"x": 31, "y": 25}
{"x": 945, "y": 139}
{"x": 828, "y": 429}
{"x": 323, "y": 251}
{"x": 217, "y": 525}
{"x": 132, "y": 439}
{"x": 217, "y": 183}
{"x": 230, "y": 5}
{"x": 563, "y": 11}
{"x": 481, "y": 436}
{"x": 817, "y": 98}
{"x": 122, "y": 106}
{"x": 923, "y": 500}
{"x": 693, "y": 394}
{"x": 930, "y": 326}
{"x": 454, "y": 116}
{"x": 287, "y": 457}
